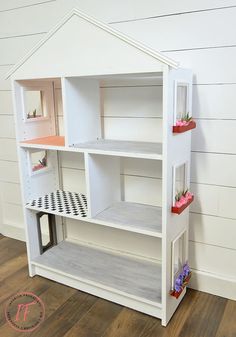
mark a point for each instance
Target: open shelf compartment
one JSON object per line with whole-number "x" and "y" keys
{"x": 49, "y": 193}
{"x": 93, "y": 114}
{"x": 40, "y": 113}
{"x": 118, "y": 199}
{"x": 136, "y": 278}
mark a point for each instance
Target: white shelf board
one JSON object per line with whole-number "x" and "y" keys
{"x": 136, "y": 278}
{"x": 123, "y": 148}
{"x": 120, "y": 148}
{"x": 134, "y": 217}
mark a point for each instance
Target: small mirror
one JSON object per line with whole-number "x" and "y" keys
{"x": 45, "y": 229}
{"x": 38, "y": 160}
{"x": 34, "y": 104}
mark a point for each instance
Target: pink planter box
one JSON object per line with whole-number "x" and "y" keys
{"x": 179, "y": 210}
{"x": 184, "y": 128}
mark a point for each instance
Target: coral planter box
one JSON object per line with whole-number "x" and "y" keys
{"x": 179, "y": 210}
{"x": 184, "y": 128}
{"x": 177, "y": 294}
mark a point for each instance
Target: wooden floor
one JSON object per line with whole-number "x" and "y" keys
{"x": 72, "y": 313}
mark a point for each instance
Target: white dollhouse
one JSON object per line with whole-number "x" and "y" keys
{"x": 78, "y": 58}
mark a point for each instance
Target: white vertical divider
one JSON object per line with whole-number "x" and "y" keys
{"x": 81, "y": 105}
{"x": 103, "y": 182}
{"x": 176, "y": 150}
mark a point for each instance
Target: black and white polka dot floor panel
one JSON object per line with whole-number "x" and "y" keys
{"x": 61, "y": 202}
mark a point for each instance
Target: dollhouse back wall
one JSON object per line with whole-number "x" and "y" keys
{"x": 198, "y": 34}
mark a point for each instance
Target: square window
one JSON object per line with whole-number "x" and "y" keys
{"x": 34, "y": 104}
{"x": 181, "y": 108}
{"x": 179, "y": 256}
{"x": 38, "y": 161}
{"x": 179, "y": 181}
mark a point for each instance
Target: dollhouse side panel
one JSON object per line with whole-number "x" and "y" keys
{"x": 176, "y": 151}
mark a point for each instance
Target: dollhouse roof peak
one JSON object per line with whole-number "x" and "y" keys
{"x": 154, "y": 55}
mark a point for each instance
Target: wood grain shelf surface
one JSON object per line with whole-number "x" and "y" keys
{"x": 132, "y": 276}
{"x": 121, "y": 148}
{"x": 139, "y": 218}
{"x": 129, "y": 216}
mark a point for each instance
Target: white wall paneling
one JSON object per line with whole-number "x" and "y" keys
{"x": 28, "y": 20}
{"x": 9, "y": 171}
{"x": 8, "y": 149}
{"x": 209, "y": 134}
{"x": 177, "y": 32}
{"x": 14, "y": 4}
{"x": 215, "y": 101}
{"x": 213, "y": 169}
{"x": 7, "y": 126}
{"x": 207, "y": 64}
{"x": 13, "y": 215}
{"x": 133, "y": 10}
{"x": 11, "y": 193}
{"x": 135, "y": 101}
{"x": 214, "y": 200}
{"x": 207, "y": 229}
{"x": 53, "y": 10}
{"x": 4, "y": 84}
{"x": 6, "y": 107}
{"x": 149, "y": 129}
{"x": 20, "y": 43}
{"x": 209, "y": 258}
{"x": 143, "y": 190}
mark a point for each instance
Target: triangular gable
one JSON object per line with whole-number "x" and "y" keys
{"x": 81, "y": 46}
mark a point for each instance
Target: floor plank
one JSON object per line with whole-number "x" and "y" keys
{"x": 96, "y": 321}
{"x": 204, "y": 316}
{"x": 9, "y": 267}
{"x": 66, "y": 315}
{"x": 10, "y": 248}
{"x": 129, "y": 323}
{"x": 227, "y": 327}
{"x": 154, "y": 328}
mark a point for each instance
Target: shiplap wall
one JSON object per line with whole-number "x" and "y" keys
{"x": 199, "y": 34}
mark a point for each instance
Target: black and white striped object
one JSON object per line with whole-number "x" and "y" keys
{"x": 61, "y": 202}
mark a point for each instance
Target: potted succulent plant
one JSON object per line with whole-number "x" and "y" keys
{"x": 183, "y": 124}
{"x": 182, "y": 200}
{"x": 181, "y": 281}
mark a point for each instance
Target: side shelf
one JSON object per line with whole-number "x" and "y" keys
{"x": 122, "y": 276}
{"x": 133, "y": 217}
{"x": 145, "y": 150}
